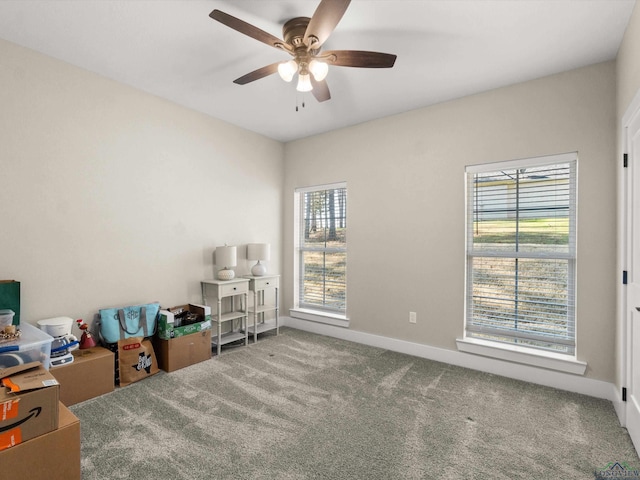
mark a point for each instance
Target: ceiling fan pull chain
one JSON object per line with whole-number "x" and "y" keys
{"x": 297, "y": 98}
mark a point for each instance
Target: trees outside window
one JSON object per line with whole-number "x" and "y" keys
{"x": 322, "y": 248}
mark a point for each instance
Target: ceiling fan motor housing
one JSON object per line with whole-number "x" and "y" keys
{"x": 293, "y": 32}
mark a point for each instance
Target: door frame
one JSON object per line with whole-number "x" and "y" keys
{"x": 623, "y": 325}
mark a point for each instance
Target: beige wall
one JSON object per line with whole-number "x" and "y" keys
{"x": 405, "y": 180}
{"x": 110, "y": 196}
{"x": 628, "y": 63}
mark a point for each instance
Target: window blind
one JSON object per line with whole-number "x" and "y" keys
{"x": 322, "y": 248}
{"x": 521, "y": 249}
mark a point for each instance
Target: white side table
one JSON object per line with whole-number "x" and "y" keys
{"x": 261, "y": 306}
{"x": 236, "y": 290}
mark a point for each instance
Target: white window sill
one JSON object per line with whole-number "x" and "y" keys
{"x": 319, "y": 316}
{"x": 527, "y": 356}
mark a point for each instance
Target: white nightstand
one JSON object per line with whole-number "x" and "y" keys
{"x": 235, "y": 309}
{"x": 264, "y": 303}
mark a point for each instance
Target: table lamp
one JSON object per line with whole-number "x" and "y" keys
{"x": 259, "y": 252}
{"x": 226, "y": 257}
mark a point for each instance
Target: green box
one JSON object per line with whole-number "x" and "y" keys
{"x": 10, "y": 298}
{"x": 166, "y": 323}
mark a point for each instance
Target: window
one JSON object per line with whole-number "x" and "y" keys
{"x": 521, "y": 253}
{"x": 322, "y": 248}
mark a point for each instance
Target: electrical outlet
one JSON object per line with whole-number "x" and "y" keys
{"x": 412, "y": 317}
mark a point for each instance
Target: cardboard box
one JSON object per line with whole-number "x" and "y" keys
{"x": 10, "y": 298}
{"x": 53, "y": 455}
{"x": 182, "y": 351}
{"x": 168, "y": 327}
{"x": 28, "y": 403}
{"x": 89, "y": 375}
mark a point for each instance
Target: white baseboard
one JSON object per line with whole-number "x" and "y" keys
{"x": 527, "y": 373}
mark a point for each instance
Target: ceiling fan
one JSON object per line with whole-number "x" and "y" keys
{"x": 303, "y": 39}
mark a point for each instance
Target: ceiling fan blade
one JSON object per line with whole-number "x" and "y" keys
{"x": 324, "y": 20}
{"x": 249, "y": 30}
{"x": 358, "y": 58}
{"x": 257, "y": 74}
{"x": 320, "y": 90}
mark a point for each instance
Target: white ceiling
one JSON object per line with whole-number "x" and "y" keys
{"x": 446, "y": 49}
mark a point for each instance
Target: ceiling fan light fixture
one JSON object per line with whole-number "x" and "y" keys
{"x": 304, "y": 83}
{"x": 287, "y": 70}
{"x": 318, "y": 69}
{"x": 303, "y": 40}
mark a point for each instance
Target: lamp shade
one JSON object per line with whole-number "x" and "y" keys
{"x": 226, "y": 256}
{"x": 318, "y": 69}
{"x": 287, "y": 70}
{"x": 258, "y": 251}
{"x": 304, "y": 83}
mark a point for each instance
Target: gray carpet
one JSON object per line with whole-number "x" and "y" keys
{"x": 304, "y": 406}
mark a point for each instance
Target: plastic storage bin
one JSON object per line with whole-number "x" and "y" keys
{"x": 34, "y": 345}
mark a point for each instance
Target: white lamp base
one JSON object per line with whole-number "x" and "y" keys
{"x": 226, "y": 274}
{"x": 258, "y": 269}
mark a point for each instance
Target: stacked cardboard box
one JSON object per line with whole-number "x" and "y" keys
{"x": 170, "y": 325}
{"x": 182, "y": 351}
{"x": 55, "y": 454}
{"x": 37, "y": 432}
{"x": 28, "y": 403}
{"x": 177, "y": 345}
